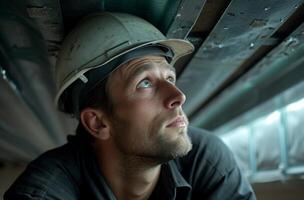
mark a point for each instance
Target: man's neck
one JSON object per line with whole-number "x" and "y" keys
{"x": 128, "y": 177}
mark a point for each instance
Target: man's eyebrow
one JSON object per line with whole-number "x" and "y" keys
{"x": 140, "y": 70}
{"x": 147, "y": 67}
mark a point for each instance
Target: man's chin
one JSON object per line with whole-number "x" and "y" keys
{"x": 181, "y": 144}
{"x": 172, "y": 150}
{"x": 185, "y": 144}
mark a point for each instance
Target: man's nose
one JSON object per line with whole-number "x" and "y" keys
{"x": 174, "y": 96}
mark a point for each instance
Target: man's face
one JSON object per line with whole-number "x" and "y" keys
{"x": 147, "y": 119}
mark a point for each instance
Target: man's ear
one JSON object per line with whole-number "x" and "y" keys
{"x": 96, "y": 123}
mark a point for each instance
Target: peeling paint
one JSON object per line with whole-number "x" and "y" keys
{"x": 258, "y": 23}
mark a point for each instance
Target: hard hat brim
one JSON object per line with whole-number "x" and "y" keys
{"x": 179, "y": 47}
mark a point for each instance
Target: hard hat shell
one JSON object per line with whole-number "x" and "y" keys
{"x": 101, "y": 37}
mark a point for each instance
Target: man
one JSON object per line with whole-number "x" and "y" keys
{"x": 115, "y": 73}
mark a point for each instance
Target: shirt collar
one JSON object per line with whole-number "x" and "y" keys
{"x": 177, "y": 179}
{"x": 172, "y": 181}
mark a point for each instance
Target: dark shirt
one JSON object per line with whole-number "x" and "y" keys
{"x": 71, "y": 172}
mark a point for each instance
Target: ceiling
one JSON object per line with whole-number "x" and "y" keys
{"x": 247, "y": 51}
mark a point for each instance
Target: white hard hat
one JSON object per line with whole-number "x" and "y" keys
{"x": 103, "y": 37}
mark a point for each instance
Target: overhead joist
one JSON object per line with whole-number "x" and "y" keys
{"x": 279, "y": 70}
{"x": 12, "y": 154}
{"x": 185, "y": 18}
{"x": 16, "y": 144}
{"x": 19, "y": 120}
{"x": 25, "y": 59}
{"x": 174, "y": 18}
{"x": 46, "y": 14}
{"x": 243, "y": 29}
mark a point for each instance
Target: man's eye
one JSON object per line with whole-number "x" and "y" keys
{"x": 144, "y": 84}
{"x": 171, "y": 79}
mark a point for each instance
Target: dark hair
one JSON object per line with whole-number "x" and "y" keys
{"x": 99, "y": 98}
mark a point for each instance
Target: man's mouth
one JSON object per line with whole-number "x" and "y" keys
{"x": 177, "y": 122}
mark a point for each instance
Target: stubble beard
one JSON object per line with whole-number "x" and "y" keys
{"x": 167, "y": 149}
{"x": 161, "y": 150}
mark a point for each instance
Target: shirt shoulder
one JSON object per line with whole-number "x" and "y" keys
{"x": 209, "y": 158}
{"x": 49, "y": 176}
{"x": 210, "y": 168}
{"x": 209, "y": 150}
